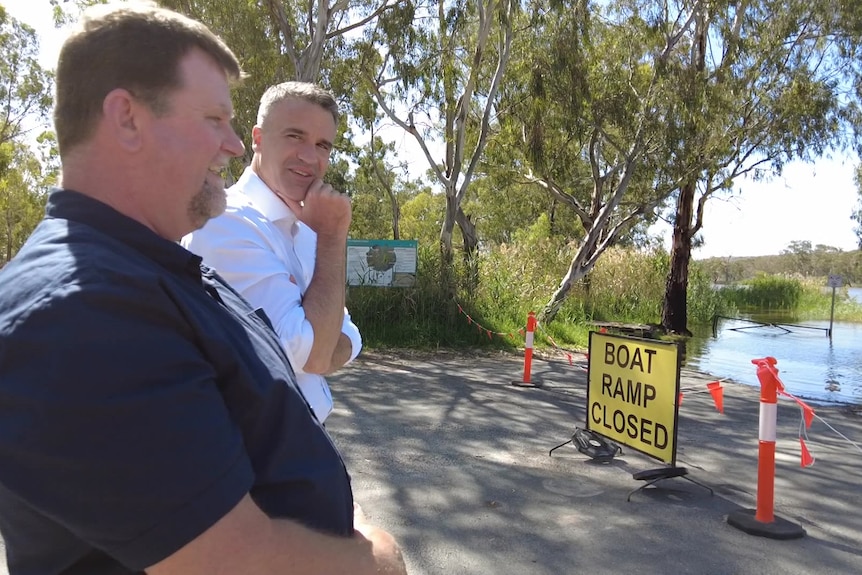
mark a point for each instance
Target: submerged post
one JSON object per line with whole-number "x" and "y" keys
{"x": 834, "y": 281}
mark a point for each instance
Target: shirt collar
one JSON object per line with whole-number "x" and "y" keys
{"x": 264, "y": 199}
{"x": 77, "y": 207}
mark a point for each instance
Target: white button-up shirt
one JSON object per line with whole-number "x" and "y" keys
{"x": 268, "y": 256}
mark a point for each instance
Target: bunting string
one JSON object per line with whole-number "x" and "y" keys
{"x": 482, "y": 329}
{"x": 715, "y": 388}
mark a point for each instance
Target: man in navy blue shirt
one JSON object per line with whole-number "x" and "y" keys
{"x": 149, "y": 419}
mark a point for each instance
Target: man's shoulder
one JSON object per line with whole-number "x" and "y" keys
{"x": 59, "y": 247}
{"x": 60, "y": 259}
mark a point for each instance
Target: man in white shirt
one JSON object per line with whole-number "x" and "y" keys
{"x": 282, "y": 241}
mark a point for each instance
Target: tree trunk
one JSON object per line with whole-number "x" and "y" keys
{"x": 396, "y": 216}
{"x": 446, "y": 253}
{"x": 674, "y": 313}
{"x": 471, "y": 247}
{"x": 549, "y": 312}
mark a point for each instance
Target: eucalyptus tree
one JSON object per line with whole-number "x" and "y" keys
{"x": 25, "y": 99}
{"x": 25, "y": 87}
{"x": 379, "y": 190}
{"x": 23, "y": 192}
{"x": 434, "y": 69}
{"x": 500, "y": 206}
{"x": 856, "y": 216}
{"x": 761, "y": 82}
{"x": 584, "y": 118}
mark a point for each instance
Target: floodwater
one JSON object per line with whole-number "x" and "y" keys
{"x": 811, "y": 365}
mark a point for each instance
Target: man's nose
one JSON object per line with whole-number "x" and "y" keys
{"x": 233, "y": 145}
{"x": 307, "y": 152}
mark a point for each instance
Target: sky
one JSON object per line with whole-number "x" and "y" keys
{"x": 808, "y": 202}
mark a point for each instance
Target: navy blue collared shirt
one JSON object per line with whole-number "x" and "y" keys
{"x": 140, "y": 399}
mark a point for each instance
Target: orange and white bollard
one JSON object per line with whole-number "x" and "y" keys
{"x": 762, "y": 520}
{"x": 528, "y": 352}
{"x": 769, "y": 386}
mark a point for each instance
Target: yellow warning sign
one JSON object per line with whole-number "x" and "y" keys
{"x": 632, "y": 393}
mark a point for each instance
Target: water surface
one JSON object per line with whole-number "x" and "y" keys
{"x": 811, "y": 365}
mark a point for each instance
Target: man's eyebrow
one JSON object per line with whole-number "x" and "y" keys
{"x": 301, "y": 132}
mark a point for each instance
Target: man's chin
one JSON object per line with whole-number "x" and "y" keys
{"x": 209, "y": 203}
{"x": 218, "y": 207}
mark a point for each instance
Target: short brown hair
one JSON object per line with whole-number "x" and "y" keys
{"x": 136, "y": 46}
{"x": 299, "y": 90}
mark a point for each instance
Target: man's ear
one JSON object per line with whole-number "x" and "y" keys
{"x": 256, "y": 135}
{"x": 122, "y": 114}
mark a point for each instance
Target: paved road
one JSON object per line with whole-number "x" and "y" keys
{"x": 453, "y": 460}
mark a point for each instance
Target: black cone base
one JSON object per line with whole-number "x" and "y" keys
{"x": 526, "y": 384}
{"x": 779, "y": 528}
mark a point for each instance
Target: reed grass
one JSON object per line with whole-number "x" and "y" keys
{"x": 626, "y": 285}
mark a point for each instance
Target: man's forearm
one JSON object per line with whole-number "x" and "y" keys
{"x": 341, "y": 355}
{"x": 300, "y": 550}
{"x": 323, "y": 302}
{"x": 247, "y": 541}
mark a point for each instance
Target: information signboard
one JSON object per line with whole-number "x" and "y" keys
{"x": 383, "y": 263}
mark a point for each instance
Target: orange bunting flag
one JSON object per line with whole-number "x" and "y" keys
{"x": 568, "y": 355}
{"x": 460, "y": 309}
{"x": 808, "y": 414}
{"x": 807, "y": 458}
{"x": 469, "y": 320}
{"x": 679, "y": 399}
{"x": 521, "y": 331}
{"x": 805, "y": 423}
{"x": 717, "y": 393}
{"x": 489, "y": 334}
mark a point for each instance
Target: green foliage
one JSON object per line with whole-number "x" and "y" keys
{"x": 765, "y": 293}
{"x": 626, "y": 285}
{"x": 806, "y": 298}
{"x": 856, "y": 216}
{"x": 25, "y": 88}
{"x": 518, "y": 276}
{"x": 799, "y": 259}
{"x": 421, "y": 316}
{"x": 816, "y": 303}
{"x": 22, "y": 197}
{"x": 422, "y": 217}
{"x": 25, "y": 91}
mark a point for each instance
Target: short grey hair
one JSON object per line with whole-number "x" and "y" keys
{"x": 300, "y": 91}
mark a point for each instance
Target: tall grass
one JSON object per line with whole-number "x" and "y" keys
{"x": 815, "y": 302}
{"x": 423, "y": 316}
{"x": 626, "y": 286}
{"x": 805, "y": 297}
{"x": 765, "y": 292}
